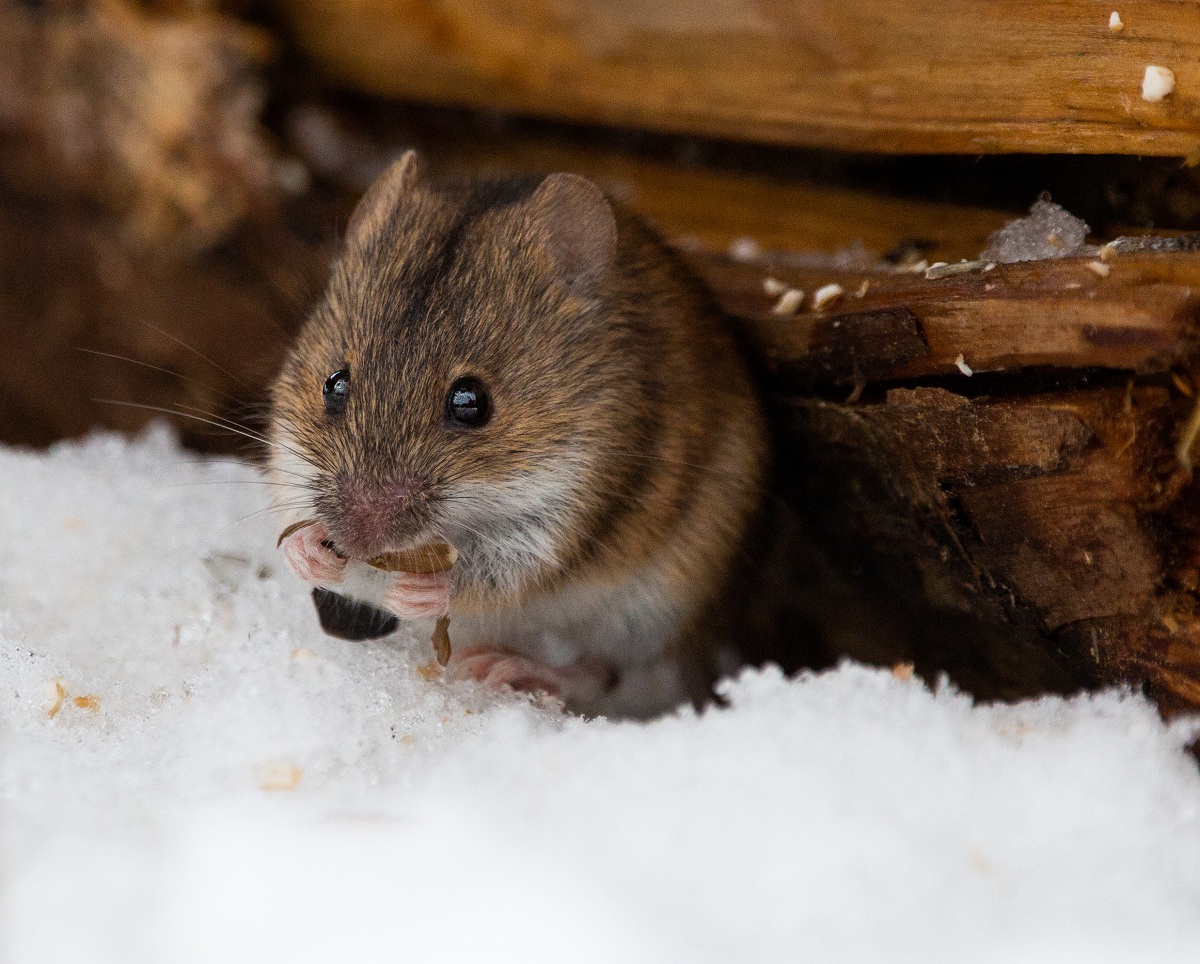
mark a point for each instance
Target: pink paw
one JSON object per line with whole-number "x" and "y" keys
{"x": 310, "y": 560}
{"x": 502, "y": 667}
{"x": 412, "y": 596}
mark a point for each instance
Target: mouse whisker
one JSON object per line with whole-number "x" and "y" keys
{"x": 159, "y": 368}
{"x": 195, "y": 351}
{"x": 230, "y": 427}
{"x": 288, "y": 485}
{"x": 246, "y": 464}
{"x": 283, "y": 507}
{"x": 237, "y": 426}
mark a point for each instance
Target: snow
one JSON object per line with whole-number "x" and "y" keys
{"x": 851, "y": 815}
{"x": 1047, "y": 231}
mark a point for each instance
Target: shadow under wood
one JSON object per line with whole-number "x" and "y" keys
{"x": 869, "y": 570}
{"x": 849, "y": 599}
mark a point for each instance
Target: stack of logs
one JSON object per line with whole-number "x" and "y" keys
{"x": 999, "y": 457}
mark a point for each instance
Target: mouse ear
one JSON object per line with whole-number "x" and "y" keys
{"x": 576, "y": 223}
{"x": 384, "y": 194}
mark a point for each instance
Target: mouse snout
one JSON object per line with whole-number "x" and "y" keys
{"x": 374, "y": 514}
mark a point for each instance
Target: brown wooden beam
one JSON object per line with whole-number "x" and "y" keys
{"x": 975, "y": 77}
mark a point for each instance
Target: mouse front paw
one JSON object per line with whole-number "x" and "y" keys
{"x": 311, "y": 560}
{"x": 418, "y": 596}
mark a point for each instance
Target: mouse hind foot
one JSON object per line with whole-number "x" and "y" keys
{"x": 580, "y": 684}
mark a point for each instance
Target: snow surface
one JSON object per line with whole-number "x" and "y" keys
{"x": 844, "y": 816}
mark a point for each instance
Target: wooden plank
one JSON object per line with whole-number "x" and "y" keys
{"x": 153, "y": 119}
{"x": 893, "y": 326}
{"x": 976, "y": 76}
{"x": 1024, "y": 512}
{"x": 696, "y": 207}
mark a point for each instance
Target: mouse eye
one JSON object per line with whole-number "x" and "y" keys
{"x": 336, "y": 391}
{"x": 468, "y": 403}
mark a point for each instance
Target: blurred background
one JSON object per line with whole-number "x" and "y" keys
{"x": 174, "y": 177}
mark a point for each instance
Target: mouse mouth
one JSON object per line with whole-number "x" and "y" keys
{"x": 355, "y": 544}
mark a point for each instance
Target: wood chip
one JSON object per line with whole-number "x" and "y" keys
{"x": 56, "y": 693}
{"x": 827, "y": 295}
{"x": 943, "y": 270}
{"x": 774, "y": 287}
{"x": 1099, "y": 268}
{"x": 430, "y": 672}
{"x": 88, "y": 702}
{"x": 422, "y": 561}
{"x": 903, "y": 671}
{"x": 441, "y": 640}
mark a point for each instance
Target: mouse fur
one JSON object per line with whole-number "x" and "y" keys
{"x": 602, "y": 510}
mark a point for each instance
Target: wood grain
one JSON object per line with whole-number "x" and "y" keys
{"x": 695, "y": 206}
{"x": 892, "y": 326}
{"x": 976, "y": 76}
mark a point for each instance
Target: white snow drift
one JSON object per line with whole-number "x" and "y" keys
{"x": 221, "y": 782}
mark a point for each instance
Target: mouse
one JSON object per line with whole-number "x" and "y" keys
{"x": 521, "y": 368}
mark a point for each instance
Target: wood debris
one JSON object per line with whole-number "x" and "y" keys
{"x": 826, "y": 295}
{"x": 279, "y": 776}
{"x": 789, "y": 302}
{"x": 56, "y": 694}
{"x": 1157, "y": 84}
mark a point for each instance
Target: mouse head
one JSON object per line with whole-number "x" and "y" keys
{"x": 461, "y": 374}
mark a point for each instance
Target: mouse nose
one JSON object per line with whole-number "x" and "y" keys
{"x": 374, "y": 513}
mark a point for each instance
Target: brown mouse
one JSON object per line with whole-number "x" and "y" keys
{"x": 520, "y": 368}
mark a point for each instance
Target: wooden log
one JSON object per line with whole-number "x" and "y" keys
{"x": 1133, "y": 312}
{"x": 978, "y": 76}
{"x": 151, "y": 119}
{"x": 1055, "y": 501}
{"x": 1029, "y": 513}
{"x": 201, "y": 334}
{"x": 704, "y": 208}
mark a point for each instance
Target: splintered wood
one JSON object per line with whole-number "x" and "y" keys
{"x": 1053, "y": 501}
